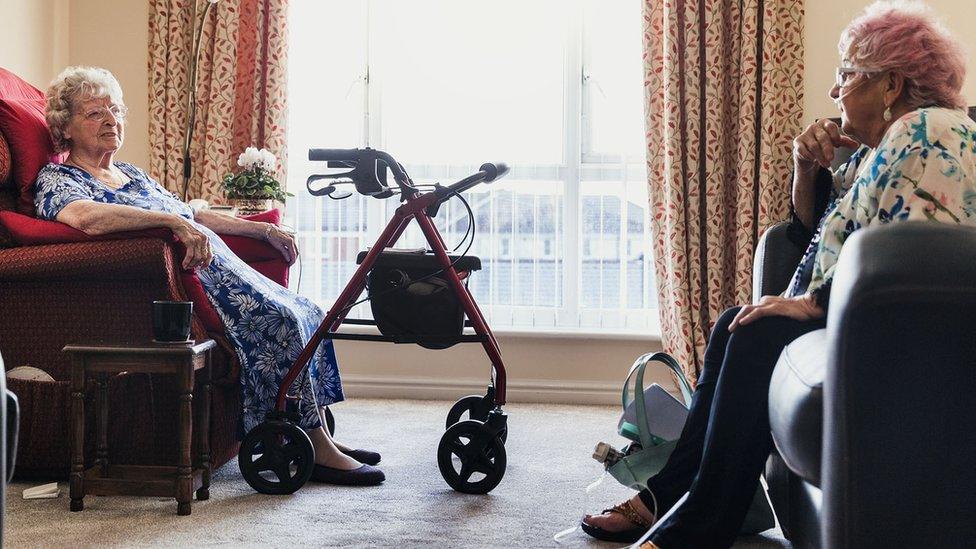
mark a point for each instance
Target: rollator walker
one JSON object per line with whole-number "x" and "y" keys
{"x": 276, "y": 456}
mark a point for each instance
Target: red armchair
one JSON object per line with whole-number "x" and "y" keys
{"x": 58, "y": 286}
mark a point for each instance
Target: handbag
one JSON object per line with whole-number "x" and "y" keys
{"x": 637, "y": 466}
{"x": 641, "y": 463}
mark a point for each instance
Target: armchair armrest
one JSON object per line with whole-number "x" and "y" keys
{"x": 776, "y": 259}
{"x": 898, "y": 413}
{"x": 260, "y": 255}
{"x": 103, "y": 260}
{"x": 81, "y": 291}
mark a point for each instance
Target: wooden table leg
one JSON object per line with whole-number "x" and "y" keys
{"x": 203, "y": 430}
{"x": 101, "y": 452}
{"x": 184, "y": 471}
{"x": 77, "y": 434}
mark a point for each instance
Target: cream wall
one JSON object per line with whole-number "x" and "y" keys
{"x": 41, "y": 37}
{"x": 35, "y": 36}
{"x": 825, "y": 19}
{"x": 114, "y": 34}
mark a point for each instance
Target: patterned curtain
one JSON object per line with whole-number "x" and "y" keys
{"x": 241, "y": 88}
{"x": 724, "y": 93}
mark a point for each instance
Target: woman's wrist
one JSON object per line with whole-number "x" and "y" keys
{"x": 174, "y": 222}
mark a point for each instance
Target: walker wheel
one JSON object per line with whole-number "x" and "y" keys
{"x": 471, "y": 460}
{"x": 473, "y": 405}
{"x": 330, "y": 421}
{"x": 276, "y": 457}
{"x": 477, "y": 408}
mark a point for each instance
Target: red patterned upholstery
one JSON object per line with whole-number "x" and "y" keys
{"x": 4, "y": 162}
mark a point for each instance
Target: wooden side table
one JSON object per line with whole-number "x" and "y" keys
{"x": 103, "y": 360}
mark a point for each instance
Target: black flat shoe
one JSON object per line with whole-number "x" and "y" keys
{"x": 623, "y": 536}
{"x": 367, "y": 475}
{"x": 629, "y": 535}
{"x": 364, "y": 456}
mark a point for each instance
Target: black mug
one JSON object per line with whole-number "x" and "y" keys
{"x": 171, "y": 320}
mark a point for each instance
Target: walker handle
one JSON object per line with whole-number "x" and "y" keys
{"x": 493, "y": 171}
{"x": 333, "y": 154}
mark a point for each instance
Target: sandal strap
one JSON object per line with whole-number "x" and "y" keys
{"x": 627, "y": 510}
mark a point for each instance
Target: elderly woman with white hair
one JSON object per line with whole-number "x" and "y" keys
{"x": 898, "y": 91}
{"x": 268, "y": 324}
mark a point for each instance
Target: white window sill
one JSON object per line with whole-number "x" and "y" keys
{"x": 541, "y": 333}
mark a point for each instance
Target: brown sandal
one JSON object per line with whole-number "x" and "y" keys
{"x": 629, "y": 535}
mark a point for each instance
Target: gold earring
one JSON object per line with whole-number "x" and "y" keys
{"x": 887, "y": 114}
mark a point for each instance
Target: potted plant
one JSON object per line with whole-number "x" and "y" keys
{"x": 254, "y": 189}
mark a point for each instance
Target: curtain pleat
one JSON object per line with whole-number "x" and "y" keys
{"x": 723, "y": 95}
{"x": 241, "y": 88}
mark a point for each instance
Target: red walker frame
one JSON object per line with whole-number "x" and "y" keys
{"x": 416, "y": 207}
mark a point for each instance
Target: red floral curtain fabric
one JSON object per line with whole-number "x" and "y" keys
{"x": 241, "y": 88}
{"x": 724, "y": 93}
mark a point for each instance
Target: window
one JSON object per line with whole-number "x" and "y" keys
{"x": 552, "y": 87}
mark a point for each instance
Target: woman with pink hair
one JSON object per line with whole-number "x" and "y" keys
{"x": 898, "y": 91}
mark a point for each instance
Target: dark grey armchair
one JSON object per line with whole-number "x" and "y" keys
{"x": 9, "y": 421}
{"x": 872, "y": 417}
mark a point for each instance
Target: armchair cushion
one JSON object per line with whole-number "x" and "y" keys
{"x": 22, "y": 124}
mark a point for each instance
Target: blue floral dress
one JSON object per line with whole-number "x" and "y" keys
{"x": 924, "y": 169}
{"x": 268, "y": 324}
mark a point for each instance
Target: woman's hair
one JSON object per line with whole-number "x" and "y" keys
{"x": 905, "y": 37}
{"x": 71, "y": 87}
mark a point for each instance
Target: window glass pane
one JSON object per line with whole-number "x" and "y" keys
{"x": 326, "y": 95}
{"x": 462, "y": 81}
{"x": 614, "y": 85}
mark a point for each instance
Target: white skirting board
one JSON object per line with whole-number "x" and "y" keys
{"x": 421, "y": 388}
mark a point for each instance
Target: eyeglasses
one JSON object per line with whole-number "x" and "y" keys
{"x": 844, "y": 74}
{"x": 101, "y": 114}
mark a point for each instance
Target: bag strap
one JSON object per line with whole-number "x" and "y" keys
{"x": 638, "y": 368}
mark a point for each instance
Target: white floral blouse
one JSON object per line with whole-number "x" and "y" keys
{"x": 923, "y": 169}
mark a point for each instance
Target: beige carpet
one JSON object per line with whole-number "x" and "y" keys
{"x": 542, "y": 493}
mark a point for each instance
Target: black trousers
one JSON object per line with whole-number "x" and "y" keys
{"x": 726, "y": 439}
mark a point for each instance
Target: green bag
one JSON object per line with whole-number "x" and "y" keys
{"x": 635, "y": 469}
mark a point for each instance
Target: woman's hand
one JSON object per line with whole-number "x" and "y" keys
{"x": 802, "y": 307}
{"x": 814, "y": 147}
{"x": 283, "y": 242}
{"x": 198, "y": 250}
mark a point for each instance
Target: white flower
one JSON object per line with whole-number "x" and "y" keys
{"x": 253, "y": 159}
{"x": 268, "y": 160}
{"x": 249, "y": 159}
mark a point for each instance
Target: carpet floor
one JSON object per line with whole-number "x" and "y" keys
{"x": 543, "y": 492}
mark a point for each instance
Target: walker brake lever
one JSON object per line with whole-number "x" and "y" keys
{"x": 327, "y": 190}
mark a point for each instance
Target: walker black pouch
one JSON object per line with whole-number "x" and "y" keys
{"x": 410, "y": 296}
